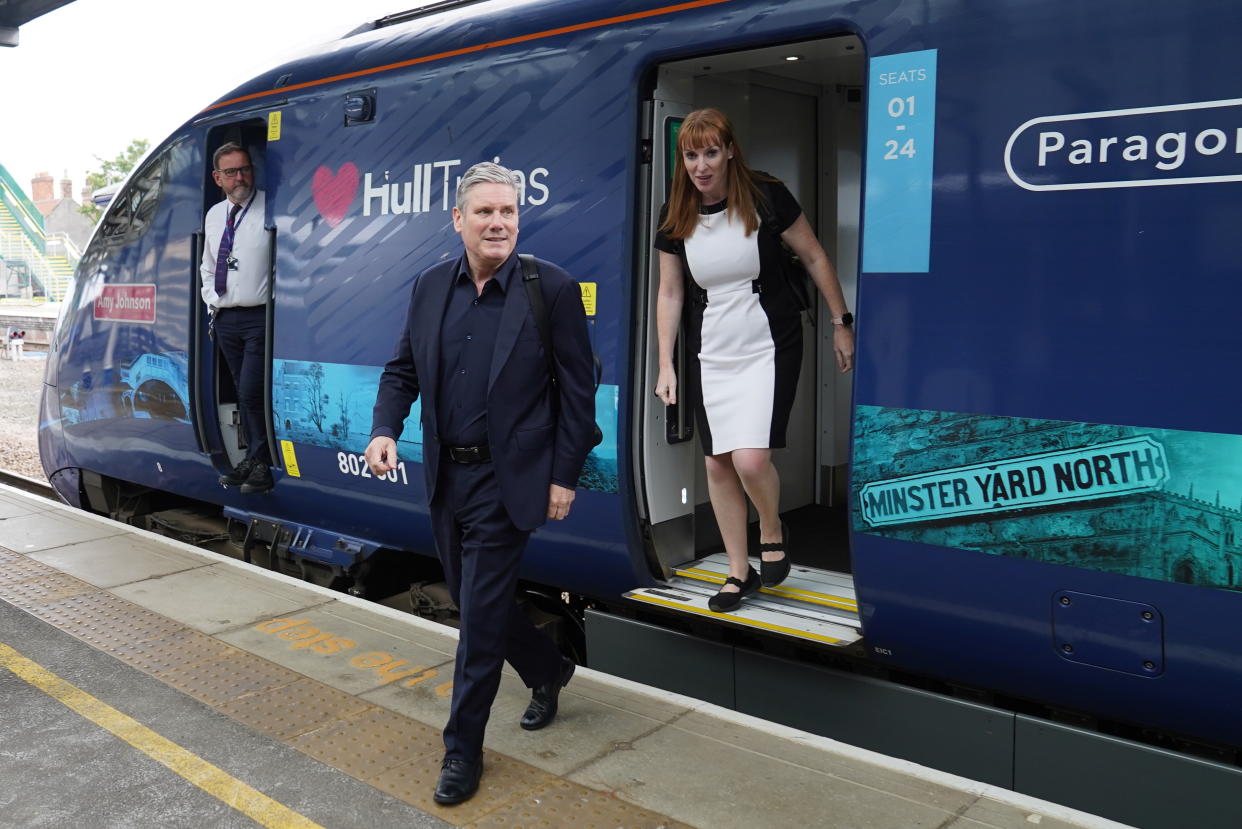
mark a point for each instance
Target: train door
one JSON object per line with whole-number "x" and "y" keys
{"x": 797, "y": 112}
{"x": 215, "y": 406}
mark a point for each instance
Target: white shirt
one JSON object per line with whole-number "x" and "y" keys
{"x": 248, "y": 285}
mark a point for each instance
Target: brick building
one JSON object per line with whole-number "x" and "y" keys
{"x": 60, "y": 213}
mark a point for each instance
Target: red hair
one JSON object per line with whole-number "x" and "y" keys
{"x": 701, "y": 129}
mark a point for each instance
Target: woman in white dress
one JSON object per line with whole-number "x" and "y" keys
{"x": 719, "y": 241}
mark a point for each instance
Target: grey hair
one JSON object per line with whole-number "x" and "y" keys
{"x": 482, "y": 173}
{"x": 225, "y": 149}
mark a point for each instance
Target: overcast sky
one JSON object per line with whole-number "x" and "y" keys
{"x": 90, "y": 77}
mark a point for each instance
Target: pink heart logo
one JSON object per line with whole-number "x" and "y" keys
{"x": 334, "y": 192}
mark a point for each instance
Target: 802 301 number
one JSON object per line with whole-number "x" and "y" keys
{"x": 351, "y": 464}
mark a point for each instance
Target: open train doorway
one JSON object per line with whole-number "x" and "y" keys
{"x": 218, "y": 408}
{"x": 798, "y": 112}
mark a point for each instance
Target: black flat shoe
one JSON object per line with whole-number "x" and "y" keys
{"x": 544, "y": 699}
{"x": 259, "y": 479}
{"x": 727, "y": 600}
{"x": 459, "y": 780}
{"x": 772, "y": 573}
{"x": 239, "y": 474}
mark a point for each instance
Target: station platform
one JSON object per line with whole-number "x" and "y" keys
{"x": 150, "y": 683}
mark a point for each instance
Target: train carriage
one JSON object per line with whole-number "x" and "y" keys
{"x": 1029, "y": 488}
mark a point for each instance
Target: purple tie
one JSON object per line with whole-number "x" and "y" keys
{"x": 226, "y": 248}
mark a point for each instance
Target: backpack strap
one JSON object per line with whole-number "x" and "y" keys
{"x": 766, "y": 217}
{"x": 792, "y": 271}
{"x": 534, "y": 291}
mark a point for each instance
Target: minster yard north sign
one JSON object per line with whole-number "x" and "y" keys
{"x": 1102, "y": 470}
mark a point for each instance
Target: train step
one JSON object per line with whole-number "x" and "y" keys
{"x": 814, "y": 605}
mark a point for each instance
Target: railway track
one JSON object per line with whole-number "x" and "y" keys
{"x": 35, "y": 487}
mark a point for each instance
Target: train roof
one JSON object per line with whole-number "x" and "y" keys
{"x": 429, "y": 34}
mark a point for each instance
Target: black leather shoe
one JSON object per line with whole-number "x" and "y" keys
{"x": 239, "y": 474}
{"x": 459, "y": 780}
{"x": 772, "y": 573}
{"x": 259, "y": 479}
{"x": 727, "y": 600}
{"x": 544, "y": 699}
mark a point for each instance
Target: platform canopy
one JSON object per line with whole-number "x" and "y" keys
{"x": 16, "y": 13}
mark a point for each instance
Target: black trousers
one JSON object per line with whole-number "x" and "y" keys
{"x": 241, "y": 334}
{"x": 481, "y": 550}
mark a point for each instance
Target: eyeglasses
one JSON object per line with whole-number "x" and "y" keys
{"x": 234, "y": 172}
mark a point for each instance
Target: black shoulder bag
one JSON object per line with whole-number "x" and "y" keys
{"x": 534, "y": 290}
{"x": 797, "y": 280}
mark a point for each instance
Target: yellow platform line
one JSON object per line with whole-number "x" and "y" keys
{"x": 780, "y": 590}
{"x": 211, "y": 779}
{"x": 737, "y": 620}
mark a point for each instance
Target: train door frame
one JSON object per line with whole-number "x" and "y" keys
{"x": 215, "y": 410}
{"x": 667, "y": 502}
{"x": 668, "y": 492}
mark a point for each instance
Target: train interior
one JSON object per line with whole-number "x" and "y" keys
{"x": 798, "y": 112}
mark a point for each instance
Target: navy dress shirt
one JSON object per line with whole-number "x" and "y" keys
{"x": 467, "y": 340}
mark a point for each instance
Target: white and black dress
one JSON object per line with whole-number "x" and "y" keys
{"x": 742, "y": 326}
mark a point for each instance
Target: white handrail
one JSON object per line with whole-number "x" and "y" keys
{"x": 16, "y": 247}
{"x": 72, "y": 252}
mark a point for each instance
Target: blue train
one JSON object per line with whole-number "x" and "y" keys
{"x": 1024, "y": 509}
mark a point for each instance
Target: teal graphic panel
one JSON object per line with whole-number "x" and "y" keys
{"x": 151, "y": 386}
{"x": 329, "y": 405}
{"x": 1155, "y": 503}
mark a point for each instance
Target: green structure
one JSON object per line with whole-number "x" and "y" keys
{"x": 32, "y": 265}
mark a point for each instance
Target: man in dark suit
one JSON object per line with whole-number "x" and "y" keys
{"x": 502, "y": 449}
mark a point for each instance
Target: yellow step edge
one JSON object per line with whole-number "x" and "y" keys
{"x": 780, "y": 590}
{"x": 737, "y": 620}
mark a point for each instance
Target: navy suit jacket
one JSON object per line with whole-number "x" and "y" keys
{"x": 532, "y": 439}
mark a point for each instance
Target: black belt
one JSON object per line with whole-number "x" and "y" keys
{"x": 468, "y": 454}
{"x": 699, "y": 295}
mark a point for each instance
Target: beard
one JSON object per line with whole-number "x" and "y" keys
{"x": 240, "y": 193}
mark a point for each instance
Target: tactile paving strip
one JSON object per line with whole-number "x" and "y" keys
{"x": 16, "y": 568}
{"x": 225, "y": 679}
{"x": 372, "y": 743}
{"x": 12, "y": 563}
{"x": 180, "y": 649}
{"x": 27, "y": 583}
{"x": 106, "y": 621}
{"x": 563, "y": 804}
{"x": 505, "y": 781}
{"x": 291, "y": 710}
{"x": 49, "y": 587}
{"x": 391, "y": 752}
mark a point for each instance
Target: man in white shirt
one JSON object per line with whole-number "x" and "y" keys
{"x": 235, "y": 270}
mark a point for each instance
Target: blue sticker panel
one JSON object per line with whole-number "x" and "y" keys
{"x": 901, "y": 132}
{"x": 329, "y": 405}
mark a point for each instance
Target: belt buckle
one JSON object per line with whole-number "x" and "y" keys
{"x": 465, "y": 454}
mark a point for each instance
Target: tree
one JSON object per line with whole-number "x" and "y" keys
{"x": 316, "y": 400}
{"x": 342, "y": 400}
{"x": 110, "y": 172}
